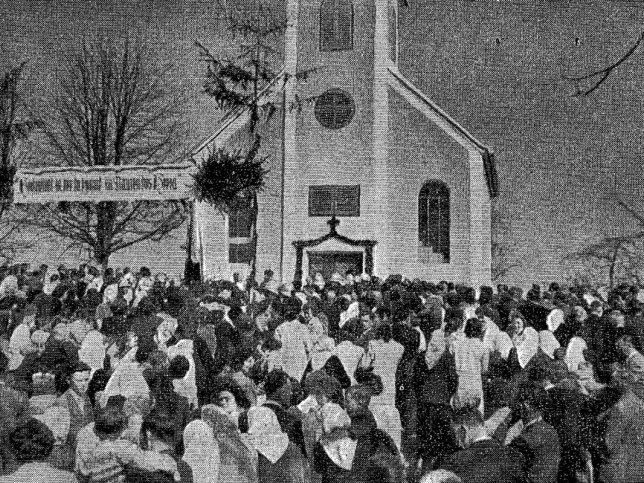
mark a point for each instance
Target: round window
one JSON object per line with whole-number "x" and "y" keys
{"x": 335, "y": 109}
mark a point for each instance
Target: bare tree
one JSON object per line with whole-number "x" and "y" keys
{"x": 113, "y": 108}
{"x": 611, "y": 259}
{"x": 504, "y": 257}
{"x": 15, "y": 126}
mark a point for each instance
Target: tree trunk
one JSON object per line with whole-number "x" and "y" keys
{"x": 611, "y": 269}
{"x": 253, "y": 263}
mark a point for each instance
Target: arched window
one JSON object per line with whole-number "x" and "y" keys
{"x": 433, "y": 217}
{"x": 336, "y": 25}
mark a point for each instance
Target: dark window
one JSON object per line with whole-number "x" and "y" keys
{"x": 334, "y": 109}
{"x": 240, "y": 218}
{"x": 336, "y": 25}
{"x": 240, "y": 224}
{"x": 433, "y": 217}
{"x": 240, "y": 252}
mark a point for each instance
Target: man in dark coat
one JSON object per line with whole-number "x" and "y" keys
{"x": 482, "y": 459}
{"x": 435, "y": 382}
{"x": 538, "y": 441}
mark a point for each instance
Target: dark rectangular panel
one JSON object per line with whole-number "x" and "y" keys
{"x": 339, "y": 200}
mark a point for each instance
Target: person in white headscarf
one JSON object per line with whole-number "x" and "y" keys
{"x": 348, "y": 350}
{"x": 524, "y": 339}
{"x": 554, "y": 319}
{"x": 127, "y": 379}
{"x": 187, "y": 385}
{"x": 548, "y": 343}
{"x": 58, "y": 420}
{"x": 92, "y": 350}
{"x": 20, "y": 343}
{"x": 278, "y": 458}
{"x": 383, "y": 355}
{"x": 295, "y": 339}
{"x": 323, "y": 356}
{"x": 201, "y": 452}
{"x": 238, "y": 458}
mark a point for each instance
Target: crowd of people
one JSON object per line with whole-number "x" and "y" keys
{"x": 116, "y": 376}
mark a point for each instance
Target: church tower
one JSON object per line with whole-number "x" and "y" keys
{"x": 346, "y": 46}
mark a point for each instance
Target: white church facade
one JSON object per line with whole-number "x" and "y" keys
{"x": 373, "y": 177}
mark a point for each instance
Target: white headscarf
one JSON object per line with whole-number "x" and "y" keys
{"x": 341, "y": 451}
{"x": 201, "y": 452}
{"x": 186, "y": 386}
{"x": 57, "y": 419}
{"x": 352, "y": 312}
{"x": 265, "y": 433}
{"x": 548, "y": 343}
{"x": 92, "y": 350}
{"x": 555, "y": 319}
{"x": 575, "y": 353}
{"x": 321, "y": 352}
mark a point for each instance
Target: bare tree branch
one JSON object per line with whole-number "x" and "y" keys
{"x": 112, "y": 109}
{"x": 598, "y": 77}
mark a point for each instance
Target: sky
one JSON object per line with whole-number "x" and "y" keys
{"x": 497, "y": 66}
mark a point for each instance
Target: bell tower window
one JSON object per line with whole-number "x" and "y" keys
{"x": 336, "y": 25}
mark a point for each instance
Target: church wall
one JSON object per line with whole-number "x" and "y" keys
{"x": 419, "y": 151}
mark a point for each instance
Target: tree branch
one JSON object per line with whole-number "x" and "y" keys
{"x": 600, "y": 76}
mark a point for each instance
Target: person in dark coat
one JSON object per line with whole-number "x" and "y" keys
{"x": 357, "y": 399}
{"x": 344, "y": 457}
{"x": 538, "y": 441}
{"x": 435, "y": 382}
{"x": 279, "y": 398}
{"x": 482, "y": 459}
{"x": 14, "y": 409}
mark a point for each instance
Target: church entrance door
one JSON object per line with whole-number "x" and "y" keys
{"x": 328, "y": 263}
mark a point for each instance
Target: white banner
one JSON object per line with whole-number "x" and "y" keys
{"x": 103, "y": 183}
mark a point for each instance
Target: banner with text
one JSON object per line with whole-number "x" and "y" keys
{"x": 103, "y": 183}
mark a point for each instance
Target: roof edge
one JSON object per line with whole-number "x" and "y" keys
{"x": 487, "y": 155}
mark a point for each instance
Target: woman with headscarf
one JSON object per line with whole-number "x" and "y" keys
{"x": 201, "y": 452}
{"x": 237, "y": 461}
{"x": 278, "y": 458}
{"x": 187, "y": 385}
{"x": 58, "y": 420}
{"x": 435, "y": 382}
{"x": 127, "y": 379}
{"x": 525, "y": 342}
{"x": 322, "y": 356}
{"x": 341, "y": 456}
{"x": 382, "y": 356}
{"x": 348, "y": 350}
{"x": 92, "y": 350}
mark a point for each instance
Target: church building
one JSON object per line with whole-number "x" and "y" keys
{"x": 372, "y": 177}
